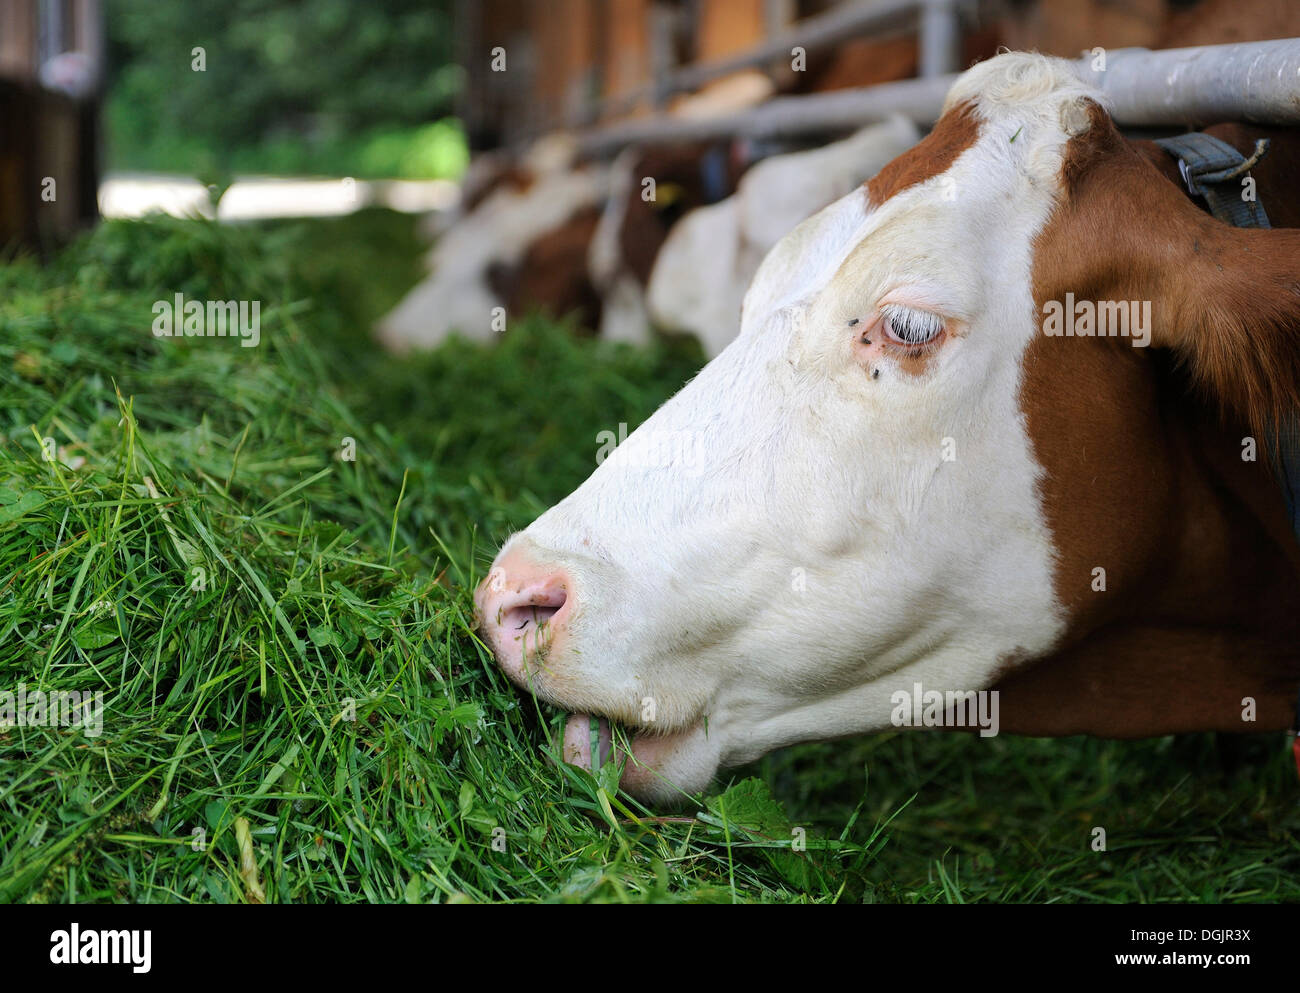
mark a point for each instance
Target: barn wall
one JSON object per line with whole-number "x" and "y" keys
{"x": 18, "y": 40}
{"x": 726, "y": 27}
{"x": 63, "y": 147}
{"x": 1065, "y": 29}
{"x": 563, "y": 81}
{"x": 567, "y": 54}
{"x": 58, "y": 137}
{"x": 494, "y": 104}
{"x": 626, "y": 49}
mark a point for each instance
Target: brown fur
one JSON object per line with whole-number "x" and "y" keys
{"x": 646, "y": 223}
{"x": 1143, "y": 474}
{"x": 956, "y": 131}
{"x": 552, "y": 275}
{"x": 1226, "y": 300}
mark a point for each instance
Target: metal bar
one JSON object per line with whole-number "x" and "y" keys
{"x": 826, "y": 30}
{"x": 840, "y": 110}
{"x": 823, "y": 31}
{"x": 1255, "y": 81}
{"x": 940, "y": 41}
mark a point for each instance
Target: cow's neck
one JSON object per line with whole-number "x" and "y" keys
{"x": 1201, "y": 605}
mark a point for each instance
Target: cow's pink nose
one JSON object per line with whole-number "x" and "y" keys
{"x": 522, "y": 609}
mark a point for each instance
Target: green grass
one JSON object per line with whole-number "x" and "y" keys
{"x": 313, "y": 700}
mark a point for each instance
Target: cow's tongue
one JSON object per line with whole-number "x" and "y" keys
{"x": 580, "y": 730}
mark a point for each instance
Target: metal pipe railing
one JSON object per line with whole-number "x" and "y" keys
{"x": 939, "y": 38}
{"x": 1252, "y": 81}
{"x": 821, "y": 113}
{"x": 816, "y": 33}
{"x": 936, "y": 21}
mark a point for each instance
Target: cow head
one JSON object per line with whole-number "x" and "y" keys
{"x": 853, "y": 496}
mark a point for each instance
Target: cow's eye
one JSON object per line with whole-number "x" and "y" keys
{"x": 909, "y": 326}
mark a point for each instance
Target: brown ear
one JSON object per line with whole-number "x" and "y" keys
{"x": 1225, "y": 300}
{"x": 1240, "y": 333}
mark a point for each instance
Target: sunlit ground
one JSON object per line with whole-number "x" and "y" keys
{"x": 128, "y": 195}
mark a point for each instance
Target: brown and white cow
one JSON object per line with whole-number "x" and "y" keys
{"x": 651, "y": 190}
{"x": 512, "y": 248}
{"x": 894, "y": 478}
{"x": 559, "y": 236}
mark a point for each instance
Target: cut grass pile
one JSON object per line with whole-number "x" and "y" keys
{"x": 294, "y": 706}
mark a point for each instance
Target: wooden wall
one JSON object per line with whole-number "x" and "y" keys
{"x": 47, "y": 135}
{"x": 565, "y": 56}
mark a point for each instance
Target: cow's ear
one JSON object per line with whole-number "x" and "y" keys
{"x": 1231, "y": 313}
{"x": 1225, "y": 300}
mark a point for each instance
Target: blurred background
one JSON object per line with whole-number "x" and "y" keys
{"x": 141, "y": 105}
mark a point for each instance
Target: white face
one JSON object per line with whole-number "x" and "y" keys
{"x": 838, "y": 520}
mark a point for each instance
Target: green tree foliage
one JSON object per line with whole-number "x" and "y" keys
{"x": 355, "y": 87}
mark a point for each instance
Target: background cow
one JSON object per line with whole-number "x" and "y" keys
{"x": 704, "y": 268}
{"x": 477, "y": 262}
{"x": 560, "y": 237}
{"x": 652, "y": 189}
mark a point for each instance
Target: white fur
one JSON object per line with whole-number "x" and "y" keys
{"x": 623, "y": 314}
{"x": 698, "y": 279}
{"x": 914, "y": 569}
{"x": 711, "y": 255}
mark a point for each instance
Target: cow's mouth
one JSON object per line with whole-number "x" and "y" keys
{"x": 526, "y": 614}
{"x": 587, "y": 741}
{"x": 652, "y": 765}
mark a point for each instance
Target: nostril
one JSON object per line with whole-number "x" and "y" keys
{"x": 530, "y": 614}
{"x": 529, "y": 610}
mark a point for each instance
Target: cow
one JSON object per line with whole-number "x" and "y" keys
{"x": 562, "y": 237}
{"x": 902, "y": 479}
{"x": 651, "y": 190}
{"x": 706, "y": 264}
{"x": 489, "y": 261}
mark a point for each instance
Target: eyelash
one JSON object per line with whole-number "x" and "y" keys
{"x": 910, "y": 329}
